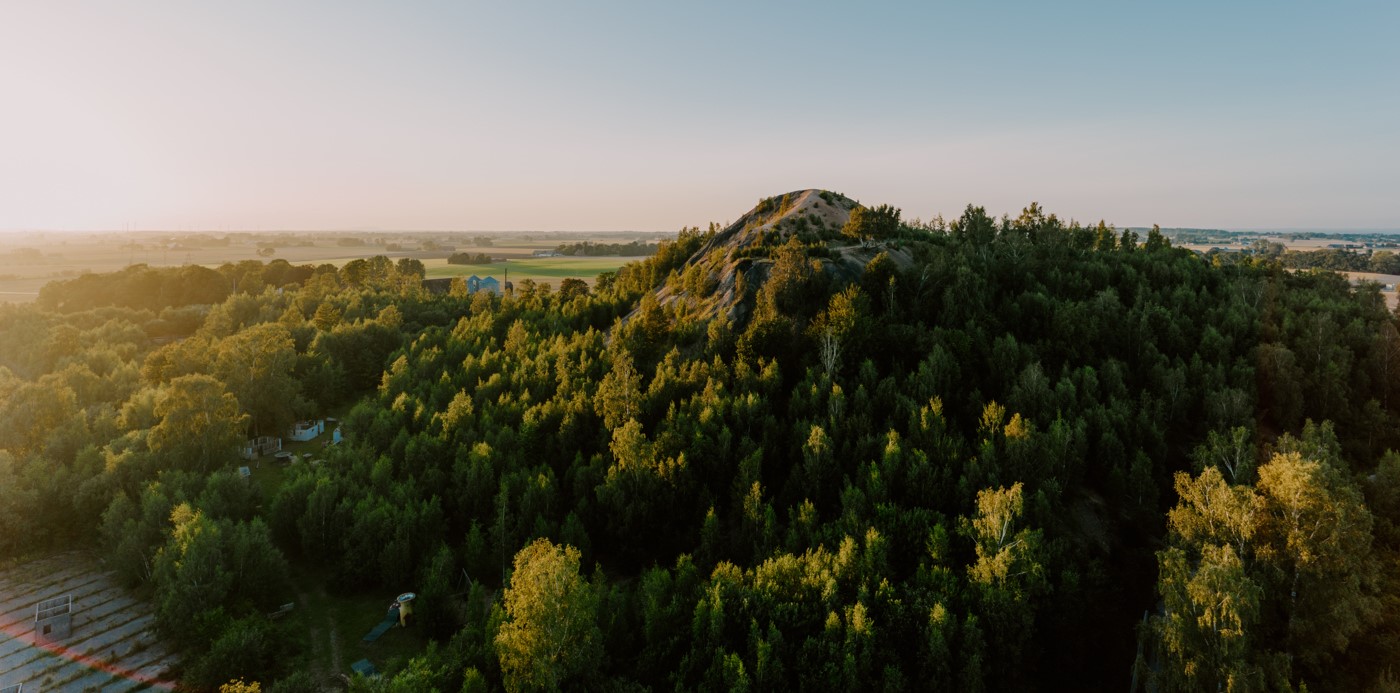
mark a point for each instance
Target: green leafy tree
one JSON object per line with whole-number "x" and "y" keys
{"x": 247, "y": 647}
{"x": 32, "y": 412}
{"x": 836, "y": 327}
{"x": 200, "y": 423}
{"x": 257, "y": 364}
{"x": 1207, "y": 631}
{"x": 619, "y": 393}
{"x": 1156, "y": 241}
{"x": 1212, "y": 511}
{"x": 191, "y": 579}
{"x": 880, "y": 280}
{"x": 411, "y": 268}
{"x": 1266, "y": 582}
{"x": 551, "y": 634}
{"x": 872, "y": 223}
{"x": 571, "y": 288}
{"x": 326, "y": 317}
{"x": 1232, "y": 452}
{"x": 1007, "y": 555}
{"x": 17, "y": 508}
{"x": 1007, "y": 574}
{"x": 1316, "y": 546}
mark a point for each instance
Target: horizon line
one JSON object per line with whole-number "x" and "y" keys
{"x": 206, "y": 231}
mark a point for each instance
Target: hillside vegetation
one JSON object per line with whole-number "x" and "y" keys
{"x": 821, "y": 448}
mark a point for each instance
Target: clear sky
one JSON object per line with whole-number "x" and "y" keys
{"x": 652, "y": 115}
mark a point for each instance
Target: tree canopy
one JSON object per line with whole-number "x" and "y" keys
{"x": 551, "y": 632}
{"x": 973, "y": 455}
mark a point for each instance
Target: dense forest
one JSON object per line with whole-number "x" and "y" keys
{"x": 823, "y": 448}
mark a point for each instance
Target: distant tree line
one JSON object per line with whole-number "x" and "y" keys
{"x": 139, "y": 286}
{"x": 1341, "y": 260}
{"x": 469, "y": 259}
{"x": 592, "y": 249}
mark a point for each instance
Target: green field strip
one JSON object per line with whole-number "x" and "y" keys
{"x": 21, "y": 619}
{"x": 537, "y": 269}
{"x": 80, "y": 605}
{"x": 154, "y": 667}
{"x": 45, "y": 568}
{"x": 61, "y": 575}
{"x": 30, "y": 576}
{"x": 67, "y": 669}
{"x": 128, "y": 661}
{"x": 114, "y": 619}
{"x": 124, "y": 662}
{"x": 83, "y": 643}
{"x": 25, "y": 590}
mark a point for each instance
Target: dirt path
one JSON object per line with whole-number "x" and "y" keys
{"x": 335, "y": 639}
{"x": 317, "y": 670}
{"x": 327, "y": 662}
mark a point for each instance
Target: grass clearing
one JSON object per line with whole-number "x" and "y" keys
{"x": 334, "y": 625}
{"x": 269, "y": 474}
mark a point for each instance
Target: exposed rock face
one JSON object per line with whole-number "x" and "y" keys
{"x": 820, "y": 208}
{"x": 725, "y": 274}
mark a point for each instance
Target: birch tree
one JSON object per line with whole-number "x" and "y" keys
{"x": 551, "y": 633}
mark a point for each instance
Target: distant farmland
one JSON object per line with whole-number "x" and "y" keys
{"x": 545, "y": 269}
{"x": 29, "y": 261}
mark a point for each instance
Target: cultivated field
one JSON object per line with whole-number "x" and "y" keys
{"x": 28, "y": 261}
{"x": 1388, "y": 284}
{"x": 113, "y": 646}
{"x": 549, "y": 270}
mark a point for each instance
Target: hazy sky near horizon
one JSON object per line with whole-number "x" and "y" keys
{"x": 655, "y": 115}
